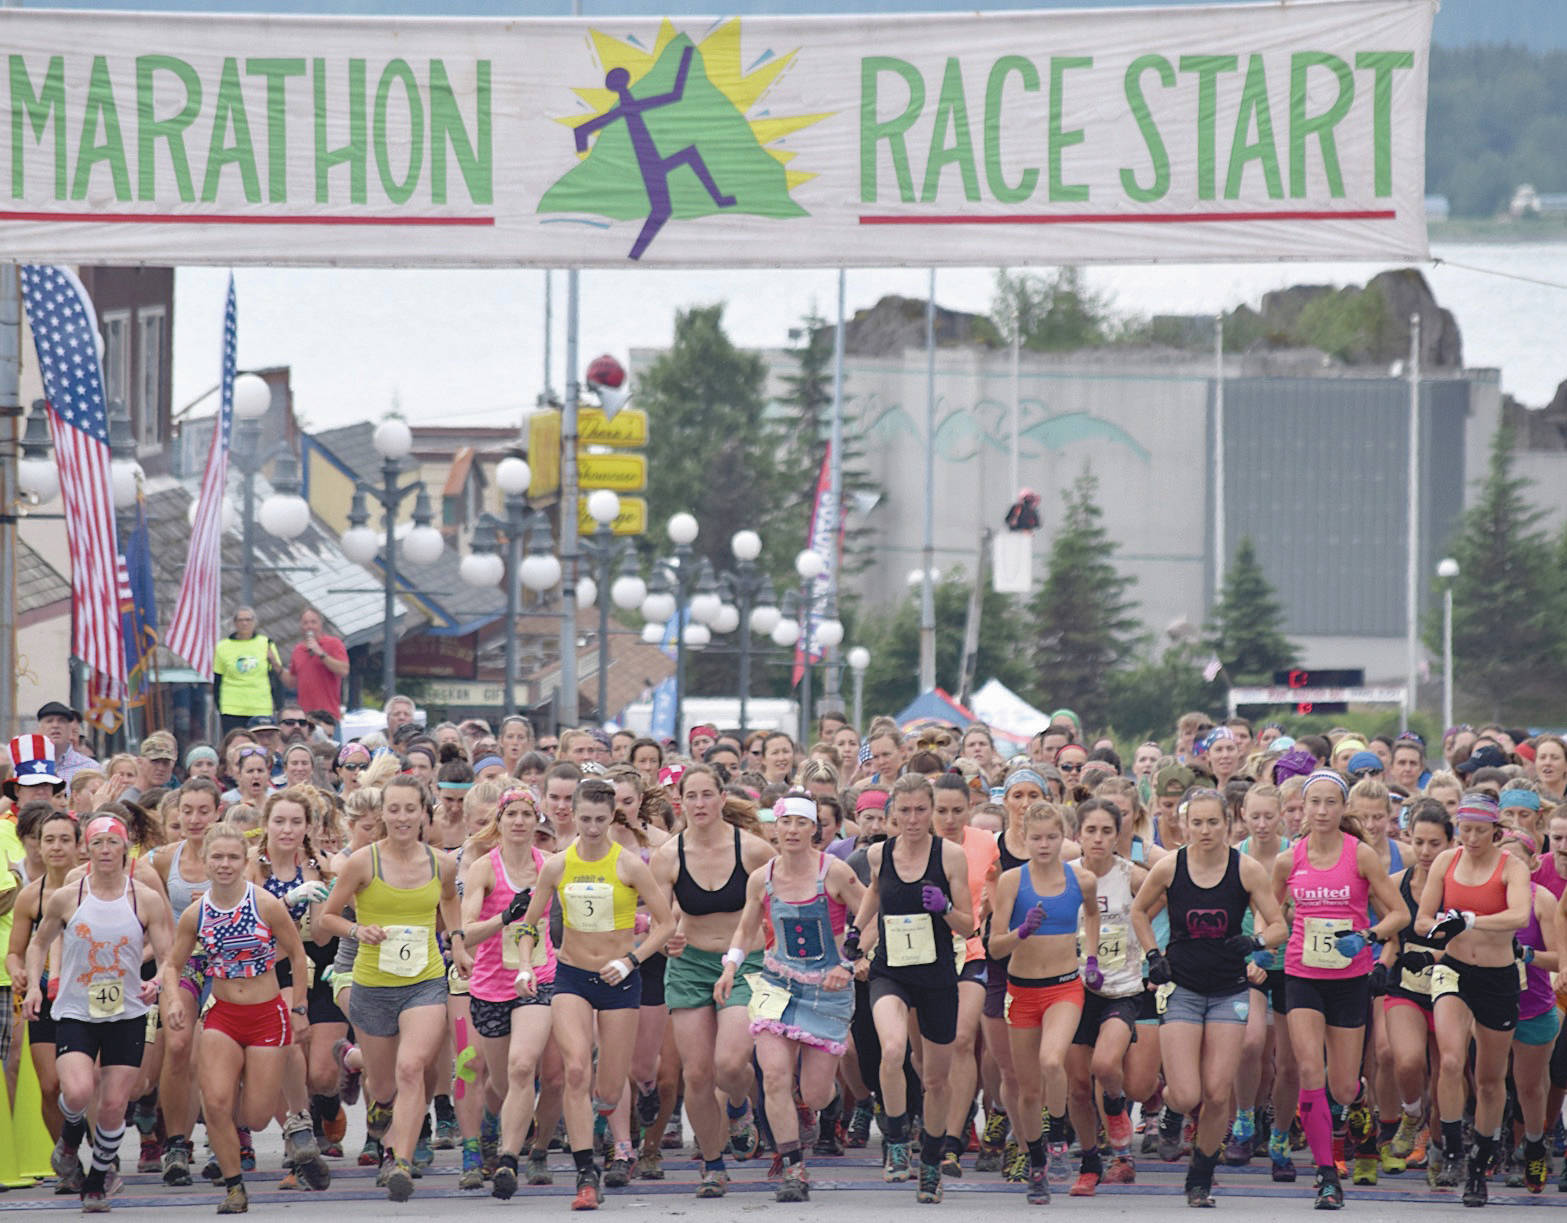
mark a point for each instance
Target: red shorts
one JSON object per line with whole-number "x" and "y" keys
{"x": 1028, "y": 1001}
{"x": 261, "y": 1025}
{"x": 1392, "y": 1000}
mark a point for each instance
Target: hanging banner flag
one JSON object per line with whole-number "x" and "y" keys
{"x": 1235, "y": 132}
{"x": 825, "y": 538}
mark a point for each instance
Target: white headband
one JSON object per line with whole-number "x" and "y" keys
{"x": 795, "y": 804}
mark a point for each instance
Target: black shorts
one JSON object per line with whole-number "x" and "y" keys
{"x": 1559, "y": 1060}
{"x": 493, "y": 1019}
{"x": 995, "y": 989}
{"x": 935, "y": 1006}
{"x": 653, "y": 979}
{"x": 1491, "y": 994}
{"x": 1273, "y": 990}
{"x": 111, "y": 1042}
{"x": 599, "y": 993}
{"x": 974, "y": 974}
{"x": 321, "y": 1007}
{"x": 40, "y": 1031}
{"x": 1098, "y": 1010}
{"x": 1344, "y": 1002}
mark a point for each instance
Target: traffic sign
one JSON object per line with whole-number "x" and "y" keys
{"x": 628, "y": 427}
{"x": 632, "y": 519}
{"x": 623, "y": 473}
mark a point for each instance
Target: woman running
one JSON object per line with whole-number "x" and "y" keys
{"x": 917, "y": 879}
{"x": 1207, "y": 887}
{"x": 399, "y": 887}
{"x": 598, "y": 885}
{"x": 800, "y": 1006}
{"x": 1475, "y": 900}
{"x": 512, "y": 1030}
{"x": 1328, "y": 877}
{"x": 1044, "y": 900}
{"x": 100, "y": 1010}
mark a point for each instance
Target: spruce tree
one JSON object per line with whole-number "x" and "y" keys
{"x": 1084, "y": 625}
{"x": 1247, "y": 629}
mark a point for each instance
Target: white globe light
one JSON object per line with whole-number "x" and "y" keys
{"x": 705, "y": 606}
{"x": 484, "y": 569}
{"x": 786, "y": 632}
{"x": 653, "y": 633}
{"x": 659, "y": 607}
{"x": 682, "y": 528}
{"x": 252, "y": 397}
{"x": 285, "y": 515}
{"x": 513, "y": 475}
{"x": 829, "y": 633}
{"x": 38, "y": 478}
{"x": 628, "y": 591}
{"x": 746, "y": 545}
{"x": 1447, "y": 568}
{"x": 125, "y": 476}
{"x": 603, "y": 506}
{"x": 539, "y": 571}
{"x": 859, "y": 658}
{"x": 587, "y": 592}
{"x": 809, "y": 565}
{"x": 360, "y": 545}
{"x": 917, "y": 577}
{"x": 727, "y": 619}
{"x": 423, "y": 546}
{"x": 228, "y": 516}
{"x": 765, "y": 619}
{"x": 393, "y": 439}
{"x": 697, "y": 636}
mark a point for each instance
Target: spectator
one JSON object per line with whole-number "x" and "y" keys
{"x": 294, "y": 725}
{"x": 399, "y": 712}
{"x": 242, "y": 667}
{"x": 202, "y": 761}
{"x": 317, "y": 665}
{"x": 155, "y": 766}
{"x": 62, "y": 726}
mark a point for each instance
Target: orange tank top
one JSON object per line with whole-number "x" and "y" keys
{"x": 1487, "y": 897}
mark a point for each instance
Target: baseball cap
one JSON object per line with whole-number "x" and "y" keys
{"x": 1173, "y": 780}
{"x": 56, "y": 709}
{"x": 1486, "y": 756}
{"x": 159, "y": 745}
{"x": 262, "y": 721}
{"x": 1364, "y": 762}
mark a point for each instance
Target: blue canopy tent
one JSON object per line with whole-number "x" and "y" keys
{"x": 933, "y": 708}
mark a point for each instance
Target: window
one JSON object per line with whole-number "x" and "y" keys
{"x": 117, "y": 358}
{"x": 148, "y": 410}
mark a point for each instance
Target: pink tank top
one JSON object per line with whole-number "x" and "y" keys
{"x": 1326, "y": 903}
{"x": 492, "y": 980}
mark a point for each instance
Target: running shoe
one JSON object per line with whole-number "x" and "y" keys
{"x": 538, "y": 1168}
{"x": 1366, "y": 1168}
{"x": 1330, "y": 1191}
{"x": 377, "y": 1118}
{"x": 151, "y": 1158}
{"x": 588, "y": 1195}
{"x": 1417, "y": 1157}
{"x": 744, "y": 1140}
{"x": 647, "y": 1105}
{"x": 289, "y": 1183}
{"x": 348, "y": 1081}
{"x": 1448, "y": 1173}
{"x": 859, "y": 1133}
{"x": 714, "y": 1184}
{"x": 299, "y": 1148}
{"x": 1038, "y": 1187}
{"x": 1085, "y": 1185}
{"x": 1169, "y": 1140}
{"x": 94, "y": 1201}
{"x": 809, "y": 1125}
{"x": 370, "y": 1154}
{"x": 1475, "y": 1192}
{"x": 447, "y": 1134}
{"x": 1015, "y": 1168}
{"x": 827, "y": 1141}
{"x": 424, "y": 1156}
{"x": 1403, "y": 1142}
{"x": 1121, "y": 1170}
{"x": 385, "y": 1170}
{"x": 176, "y": 1161}
{"x": 505, "y": 1182}
{"x": 1536, "y": 1167}
{"x": 247, "y": 1151}
{"x": 1389, "y": 1162}
{"x": 235, "y": 1201}
{"x": 952, "y": 1164}
{"x": 895, "y": 1164}
{"x": 210, "y": 1170}
{"x": 1279, "y": 1157}
{"x": 1199, "y": 1195}
{"x": 795, "y": 1186}
{"x": 335, "y": 1128}
{"x": 928, "y": 1190}
{"x": 1059, "y": 1166}
{"x": 472, "y": 1168}
{"x": 66, "y": 1162}
{"x": 617, "y": 1172}
{"x": 650, "y": 1166}
{"x": 1119, "y": 1130}
{"x": 1238, "y": 1151}
{"x": 991, "y": 1143}
{"x": 400, "y": 1181}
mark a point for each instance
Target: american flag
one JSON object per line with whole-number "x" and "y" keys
{"x": 65, "y": 334}
{"x": 194, "y": 633}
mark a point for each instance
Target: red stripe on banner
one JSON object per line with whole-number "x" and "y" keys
{"x": 1125, "y": 218}
{"x": 221, "y": 218}
{"x": 90, "y": 535}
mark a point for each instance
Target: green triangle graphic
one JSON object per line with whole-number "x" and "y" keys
{"x": 608, "y": 183}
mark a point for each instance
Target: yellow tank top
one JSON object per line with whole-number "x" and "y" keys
{"x": 592, "y": 897}
{"x": 409, "y": 953}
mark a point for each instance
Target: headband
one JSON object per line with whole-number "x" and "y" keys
{"x": 1523, "y": 838}
{"x": 106, "y": 824}
{"x": 484, "y": 762}
{"x": 516, "y": 794}
{"x": 795, "y": 804}
{"x": 350, "y": 750}
{"x": 454, "y": 785}
{"x": 870, "y": 800}
{"x": 1480, "y": 808}
{"x": 1021, "y": 775}
{"x": 1326, "y": 775}
{"x": 1519, "y": 798}
{"x": 670, "y": 775}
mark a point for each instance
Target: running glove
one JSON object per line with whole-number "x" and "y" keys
{"x": 1243, "y": 944}
{"x": 1159, "y": 968}
{"x": 935, "y": 900}
{"x": 518, "y": 907}
{"x": 1352, "y": 942}
{"x": 1450, "y": 923}
{"x": 1379, "y": 977}
{"x": 1092, "y": 977}
{"x": 1032, "y": 920}
{"x": 851, "y": 943}
{"x": 312, "y": 892}
{"x": 1410, "y": 960}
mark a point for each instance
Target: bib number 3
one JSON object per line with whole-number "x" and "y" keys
{"x": 589, "y": 906}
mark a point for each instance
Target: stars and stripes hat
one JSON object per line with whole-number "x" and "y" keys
{"x": 32, "y": 761}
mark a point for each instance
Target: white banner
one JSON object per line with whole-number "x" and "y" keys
{"x": 1274, "y": 131}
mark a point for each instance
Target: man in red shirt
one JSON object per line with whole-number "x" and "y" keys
{"x": 317, "y": 666}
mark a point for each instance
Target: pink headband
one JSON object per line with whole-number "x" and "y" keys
{"x": 106, "y": 824}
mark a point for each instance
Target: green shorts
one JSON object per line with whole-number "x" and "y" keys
{"x": 691, "y": 975}
{"x": 1541, "y": 1030}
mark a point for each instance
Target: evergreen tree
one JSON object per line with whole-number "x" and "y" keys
{"x": 1507, "y": 620}
{"x": 1247, "y": 630}
{"x": 1055, "y": 312}
{"x": 1147, "y": 698}
{"x": 1085, "y": 628}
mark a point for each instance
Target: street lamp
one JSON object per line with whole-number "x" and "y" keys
{"x": 538, "y": 571}
{"x": 393, "y": 441}
{"x": 125, "y": 474}
{"x": 748, "y": 605}
{"x": 859, "y": 658}
{"x": 1447, "y": 570}
{"x": 604, "y": 550}
{"x": 284, "y": 513}
{"x": 809, "y": 566}
{"x": 37, "y": 476}
{"x": 669, "y": 596}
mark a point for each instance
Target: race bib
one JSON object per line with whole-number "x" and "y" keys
{"x": 1523, "y": 976}
{"x": 1444, "y": 980}
{"x": 768, "y": 1001}
{"x": 456, "y": 983}
{"x": 1317, "y": 946}
{"x": 959, "y": 950}
{"x": 511, "y": 948}
{"x": 1161, "y": 997}
{"x": 910, "y": 939}
{"x": 152, "y": 1023}
{"x": 1416, "y": 982}
{"x": 105, "y": 997}
{"x": 589, "y": 906}
{"x": 405, "y": 951}
{"x": 1113, "y": 937}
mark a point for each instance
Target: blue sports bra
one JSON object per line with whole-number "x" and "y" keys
{"x": 1061, "y": 910}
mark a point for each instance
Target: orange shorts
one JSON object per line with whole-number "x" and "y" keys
{"x": 1028, "y": 999}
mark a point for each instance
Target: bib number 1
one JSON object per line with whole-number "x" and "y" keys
{"x": 910, "y": 940}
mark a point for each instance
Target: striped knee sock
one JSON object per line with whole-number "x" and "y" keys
{"x": 105, "y": 1146}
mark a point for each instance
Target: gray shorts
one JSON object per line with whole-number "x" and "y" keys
{"x": 373, "y": 1009}
{"x": 1188, "y": 1006}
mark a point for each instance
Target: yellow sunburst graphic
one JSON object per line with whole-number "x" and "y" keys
{"x": 720, "y": 52}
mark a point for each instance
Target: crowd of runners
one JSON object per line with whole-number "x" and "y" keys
{"x": 1049, "y": 965}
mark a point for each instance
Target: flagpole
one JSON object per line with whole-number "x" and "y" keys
{"x": 10, "y": 410}
{"x": 831, "y": 701}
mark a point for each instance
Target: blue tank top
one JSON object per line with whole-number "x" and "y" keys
{"x": 1061, "y": 910}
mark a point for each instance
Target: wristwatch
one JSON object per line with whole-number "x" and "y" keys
{"x": 297, "y": 1010}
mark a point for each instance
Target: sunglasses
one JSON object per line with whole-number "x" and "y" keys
{"x": 548, "y": 745}
{"x": 1071, "y": 768}
{"x": 246, "y": 752}
{"x": 295, "y": 722}
{"x": 353, "y": 768}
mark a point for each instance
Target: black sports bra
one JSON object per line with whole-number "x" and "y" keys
{"x": 697, "y": 900}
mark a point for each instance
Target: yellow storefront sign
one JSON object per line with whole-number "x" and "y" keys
{"x": 622, "y": 473}
{"x": 629, "y": 428}
{"x": 544, "y": 452}
{"x": 632, "y": 519}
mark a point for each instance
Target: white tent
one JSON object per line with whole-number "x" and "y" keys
{"x": 1006, "y": 713}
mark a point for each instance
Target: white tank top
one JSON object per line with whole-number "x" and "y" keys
{"x": 100, "y": 959}
{"x": 1120, "y": 954}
